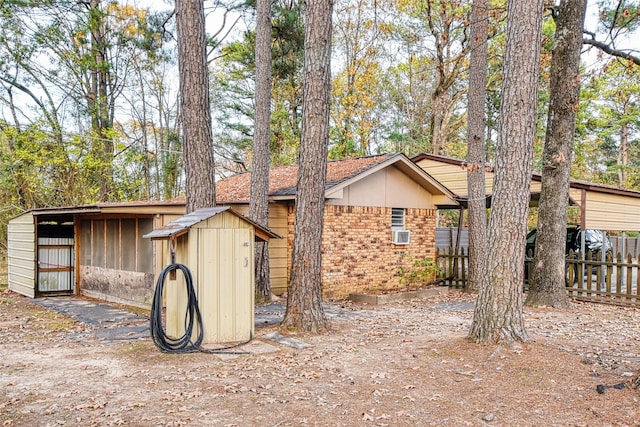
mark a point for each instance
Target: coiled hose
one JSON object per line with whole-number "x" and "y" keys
{"x": 183, "y": 344}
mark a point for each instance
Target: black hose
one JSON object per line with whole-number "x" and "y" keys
{"x": 183, "y": 344}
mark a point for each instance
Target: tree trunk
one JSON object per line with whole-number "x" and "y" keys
{"x": 475, "y": 142}
{"x": 304, "y": 302}
{"x": 194, "y": 105}
{"x": 259, "y": 198}
{"x": 498, "y": 313}
{"x": 623, "y": 152}
{"x": 98, "y": 101}
{"x": 438, "y": 123}
{"x": 547, "y": 285}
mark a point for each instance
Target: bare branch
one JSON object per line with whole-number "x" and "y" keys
{"x": 23, "y": 89}
{"x": 609, "y": 49}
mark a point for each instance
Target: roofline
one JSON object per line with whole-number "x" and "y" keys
{"x": 443, "y": 159}
{"x": 391, "y": 160}
{"x": 536, "y": 176}
{"x": 104, "y": 207}
{"x": 70, "y": 210}
{"x": 595, "y": 187}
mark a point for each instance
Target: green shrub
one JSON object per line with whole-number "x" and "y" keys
{"x": 417, "y": 272}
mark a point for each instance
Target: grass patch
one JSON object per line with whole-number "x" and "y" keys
{"x": 4, "y": 280}
{"x": 60, "y": 325}
{"x": 137, "y": 347}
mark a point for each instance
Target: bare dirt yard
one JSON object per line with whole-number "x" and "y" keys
{"x": 402, "y": 364}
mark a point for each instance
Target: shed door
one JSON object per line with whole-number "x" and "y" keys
{"x": 56, "y": 260}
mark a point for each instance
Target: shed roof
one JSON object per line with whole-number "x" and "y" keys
{"x": 340, "y": 173}
{"x": 181, "y": 225}
{"x": 146, "y": 207}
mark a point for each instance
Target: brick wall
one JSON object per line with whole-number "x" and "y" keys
{"x": 358, "y": 256}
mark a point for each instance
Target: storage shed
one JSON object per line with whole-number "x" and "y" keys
{"x": 93, "y": 250}
{"x": 216, "y": 244}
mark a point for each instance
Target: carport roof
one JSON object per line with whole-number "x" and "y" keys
{"x": 175, "y": 206}
{"x": 603, "y": 207}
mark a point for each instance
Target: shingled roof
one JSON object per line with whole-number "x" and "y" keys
{"x": 282, "y": 180}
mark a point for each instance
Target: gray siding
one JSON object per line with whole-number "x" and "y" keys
{"x": 446, "y": 237}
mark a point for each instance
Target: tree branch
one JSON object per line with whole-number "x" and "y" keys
{"x": 608, "y": 49}
{"x": 23, "y": 89}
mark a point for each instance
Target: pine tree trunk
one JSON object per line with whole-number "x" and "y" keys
{"x": 623, "y": 152}
{"x": 258, "y": 200}
{"x": 475, "y": 142}
{"x": 304, "y": 302}
{"x": 498, "y": 313}
{"x": 194, "y": 105}
{"x": 99, "y": 108}
{"x": 548, "y": 283}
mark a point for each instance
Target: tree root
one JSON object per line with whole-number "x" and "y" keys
{"x": 633, "y": 383}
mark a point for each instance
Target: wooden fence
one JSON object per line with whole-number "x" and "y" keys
{"x": 613, "y": 281}
{"x": 452, "y": 236}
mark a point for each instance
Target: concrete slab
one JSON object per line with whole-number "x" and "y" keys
{"x": 397, "y": 296}
{"x": 89, "y": 312}
{"x": 288, "y": 341}
{"x": 123, "y": 333}
{"x": 269, "y": 314}
{"x": 108, "y": 324}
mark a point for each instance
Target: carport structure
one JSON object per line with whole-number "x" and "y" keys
{"x": 602, "y": 207}
{"x": 94, "y": 250}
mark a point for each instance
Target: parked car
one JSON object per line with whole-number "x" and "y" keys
{"x": 593, "y": 243}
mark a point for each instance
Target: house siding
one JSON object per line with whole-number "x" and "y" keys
{"x": 357, "y": 253}
{"x": 279, "y": 254}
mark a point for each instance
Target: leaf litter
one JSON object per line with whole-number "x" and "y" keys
{"x": 403, "y": 364}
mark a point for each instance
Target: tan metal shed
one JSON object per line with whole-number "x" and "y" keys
{"x": 217, "y": 245}
{"x": 94, "y": 250}
{"x": 21, "y": 244}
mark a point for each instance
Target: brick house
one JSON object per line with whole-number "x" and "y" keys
{"x": 380, "y": 214}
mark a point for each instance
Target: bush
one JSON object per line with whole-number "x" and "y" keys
{"x": 419, "y": 272}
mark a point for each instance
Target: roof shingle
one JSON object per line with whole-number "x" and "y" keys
{"x": 282, "y": 180}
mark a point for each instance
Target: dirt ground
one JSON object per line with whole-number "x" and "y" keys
{"x": 402, "y": 364}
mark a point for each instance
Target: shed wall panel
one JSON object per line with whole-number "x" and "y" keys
{"x": 611, "y": 212}
{"x": 21, "y": 256}
{"x": 221, "y": 263}
{"x": 175, "y": 291}
{"x": 224, "y": 281}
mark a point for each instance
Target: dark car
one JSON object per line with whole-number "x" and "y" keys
{"x": 593, "y": 242}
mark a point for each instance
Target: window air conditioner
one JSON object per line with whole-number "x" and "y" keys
{"x": 400, "y": 237}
